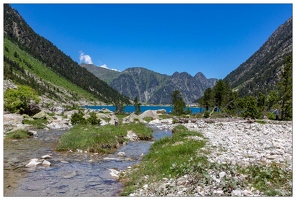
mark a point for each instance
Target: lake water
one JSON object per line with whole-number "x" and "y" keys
{"x": 130, "y": 109}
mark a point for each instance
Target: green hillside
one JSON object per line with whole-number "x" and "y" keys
{"x": 20, "y": 33}
{"x": 22, "y": 68}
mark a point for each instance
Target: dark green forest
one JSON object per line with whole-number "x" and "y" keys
{"x": 275, "y": 104}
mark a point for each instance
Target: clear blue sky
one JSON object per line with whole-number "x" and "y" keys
{"x": 210, "y": 38}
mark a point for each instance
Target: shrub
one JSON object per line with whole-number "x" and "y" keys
{"x": 78, "y": 118}
{"x": 207, "y": 114}
{"x": 271, "y": 116}
{"x": 17, "y": 100}
{"x": 93, "y": 119}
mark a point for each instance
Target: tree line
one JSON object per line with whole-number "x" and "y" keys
{"x": 275, "y": 104}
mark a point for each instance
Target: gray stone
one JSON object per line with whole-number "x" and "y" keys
{"x": 132, "y": 136}
{"x": 236, "y": 193}
{"x": 114, "y": 120}
{"x": 32, "y": 133}
{"x": 121, "y": 154}
{"x": 149, "y": 113}
{"x": 33, "y": 162}
{"x": 41, "y": 115}
{"x": 222, "y": 174}
{"x": 68, "y": 176}
{"x": 46, "y": 163}
{"x": 161, "y": 111}
{"x": 46, "y": 156}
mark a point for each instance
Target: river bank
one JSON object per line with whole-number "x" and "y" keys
{"x": 234, "y": 144}
{"x": 230, "y": 142}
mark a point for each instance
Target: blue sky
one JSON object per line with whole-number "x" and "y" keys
{"x": 210, "y": 38}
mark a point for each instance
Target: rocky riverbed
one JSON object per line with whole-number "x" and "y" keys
{"x": 230, "y": 141}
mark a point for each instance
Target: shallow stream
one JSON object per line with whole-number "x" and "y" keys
{"x": 70, "y": 174}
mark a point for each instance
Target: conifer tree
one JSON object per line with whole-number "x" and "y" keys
{"x": 285, "y": 87}
{"x": 137, "y": 105}
{"x": 177, "y": 103}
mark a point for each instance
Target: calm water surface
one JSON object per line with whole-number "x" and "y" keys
{"x": 130, "y": 109}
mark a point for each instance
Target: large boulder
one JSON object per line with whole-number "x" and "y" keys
{"x": 103, "y": 122}
{"x": 41, "y": 115}
{"x": 161, "y": 111}
{"x": 13, "y": 122}
{"x": 102, "y": 115}
{"x": 113, "y": 120}
{"x": 33, "y": 108}
{"x": 149, "y": 113}
{"x": 59, "y": 123}
{"x": 11, "y": 119}
{"x": 131, "y": 118}
{"x": 105, "y": 110}
{"x": 131, "y": 136}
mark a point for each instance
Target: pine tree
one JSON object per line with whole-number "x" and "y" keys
{"x": 137, "y": 105}
{"x": 207, "y": 100}
{"x": 219, "y": 93}
{"x": 177, "y": 103}
{"x": 285, "y": 87}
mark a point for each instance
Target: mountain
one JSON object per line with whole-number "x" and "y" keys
{"x": 22, "y": 35}
{"x": 261, "y": 72}
{"x": 152, "y": 87}
{"x": 102, "y": 73}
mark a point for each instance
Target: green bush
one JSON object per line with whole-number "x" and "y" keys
{"x": 93, "y": 119}
{"x": 271, "y": 115}
{"x": 17, "y": 100}
{"x": 78, "y": 118}
{"x": 207, "y": 114}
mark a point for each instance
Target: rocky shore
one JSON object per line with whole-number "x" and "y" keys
{"x": 230, "y": 141}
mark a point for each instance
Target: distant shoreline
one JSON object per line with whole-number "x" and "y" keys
{"x": 131, "y": 108}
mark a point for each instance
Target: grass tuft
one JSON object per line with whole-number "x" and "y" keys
{"x": 18, "y": 134}
{"x": 100, "y": 139}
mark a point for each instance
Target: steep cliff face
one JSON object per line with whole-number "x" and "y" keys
{"x": 261, "y": 71}
{"x": 154, "y": 88}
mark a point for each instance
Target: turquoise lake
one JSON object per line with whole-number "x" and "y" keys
{"x": 130, "y": 109}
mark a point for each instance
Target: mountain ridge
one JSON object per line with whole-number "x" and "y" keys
{"x": 155, "y": 88}
{"x": 261, "y": 72}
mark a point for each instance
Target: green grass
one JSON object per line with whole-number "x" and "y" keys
{"x": 261, "y": 122}
{"x": 18, "y": 134}
{"x": 164, "y": 153}
{"x": 100, "y": 139}
{"x": 43, "y": 72}
{"x": 272, "y": 180}
{"x": 37, "y": 123}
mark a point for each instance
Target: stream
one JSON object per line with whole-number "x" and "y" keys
{"x": 71, "y": 173}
